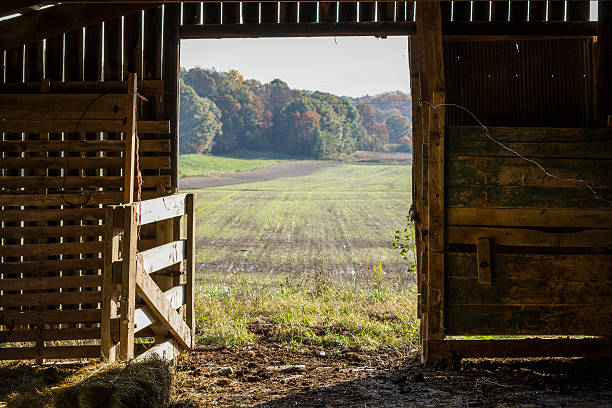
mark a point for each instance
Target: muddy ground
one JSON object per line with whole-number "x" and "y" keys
{"x": 353, "y": 378}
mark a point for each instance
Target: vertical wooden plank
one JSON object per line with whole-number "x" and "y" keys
{"x": 429, "y": 32}
{"x": 537, "y": 11}
{"x": 54, "y": 69}
{"x": 483, "y": 255}
{"x": 518, "y": 11}
{"x": 366, "y": 11}
{"x": 578, "y": 10}
{"x": 308, "y": 12}
{"x": 417, "y": 175}
{"x": 74, "y": 55}
{"x": 112, "y": 50}
{"x": 191, "y": 13}
{"x": 132, "y": 45}
{"x": 152, "y": 43}
{"x": 130, "y": 141}
{"x": 109, "y": 310}
{"x": 212, "y": 12}
{"x": 288, "y": 12}
{"x": 328, "y": 11}
{"x": 93, "y": 53}
{"x": 190, "y": 264}
{"x": 445, "y": 10}
{"x": 401, "y": 11}
{"x": 461, "y": 10}
{"x": 269, "y": 12}
{"x": 171, "y": 83}
{"x": 410, "y": 5}
{"x": 481, "y": 10}
{"x": 604, "y": 64}
{"x": 499, "y": 11}
{"x": 348, "y": 12}
{"x": 556, "y": 10}
{"x": 386, "y": 11}
{"x": 231, "y": 13}
{"x": 127, "y": 305}
{"x": 34, "y": 62}
{"x": 250, "y": 13}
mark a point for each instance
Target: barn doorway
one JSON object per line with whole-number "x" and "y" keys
{"x": 300, "y": 152}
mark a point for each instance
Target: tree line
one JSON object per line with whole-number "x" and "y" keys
{"x": 221, "y": 112}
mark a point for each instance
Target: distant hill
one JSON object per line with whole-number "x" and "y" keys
{"x": 387, "y": 103}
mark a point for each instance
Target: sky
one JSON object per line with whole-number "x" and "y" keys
{"x": 347, "y": 66}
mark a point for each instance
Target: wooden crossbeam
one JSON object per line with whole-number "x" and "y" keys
{"x": 144, "y": 317}
{"x": 158, "y": 258}
{"x": 161, "y": 208}
{"x": 521, "y": 348}
{"x": 8, "y": 7}
{"x": 163, "y": 309}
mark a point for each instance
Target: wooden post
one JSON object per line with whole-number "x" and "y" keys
{"x": 128, "y": 283}
{"x": 109, "y": 310}
{"x": 130, "y": 141}
{"x": 603, "y": 88}
{"x": 171, "y": 70}
{"x": 429, "y": 37}
{"x": 190, "y": 264}
{"x": 417, "y": 172}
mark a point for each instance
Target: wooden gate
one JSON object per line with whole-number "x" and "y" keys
{"x": 143, "y": 289}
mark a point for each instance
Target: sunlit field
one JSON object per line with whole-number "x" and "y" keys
{"x": 307, "y": 259}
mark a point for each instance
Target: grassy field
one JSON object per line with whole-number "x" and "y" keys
{"x": 307, "y": 259}
{"x": 204, "y": 165}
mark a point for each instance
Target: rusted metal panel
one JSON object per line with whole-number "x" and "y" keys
{"x": 520, "y": 82}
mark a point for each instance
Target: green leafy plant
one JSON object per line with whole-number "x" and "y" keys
{"x": 405, "y": 242}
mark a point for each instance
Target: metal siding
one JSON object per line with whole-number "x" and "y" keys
{"x": 520, "y": 83}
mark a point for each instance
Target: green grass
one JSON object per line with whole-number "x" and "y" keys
{"x": 314, "y": 310}
{"x": 203, "y": 165}
{"x": 297, "y": 255}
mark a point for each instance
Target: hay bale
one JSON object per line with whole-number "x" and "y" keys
{"x": 144, "y": 384}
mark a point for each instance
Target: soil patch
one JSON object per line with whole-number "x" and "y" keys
{"x": 284, "y": 169}
{"x": 347, "y": 377}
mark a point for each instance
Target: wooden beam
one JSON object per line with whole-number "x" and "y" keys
{"x": 63, "y": 18}
{"x": 130, "y": 141}
{"x": 590, "y": 238}
{"x": 161, "y": 208}
{"x": 163, "y": 309}
{"x": 190, "y": 264}
{"x": 522, "y": 348}
{"x": 158, "y": 258}
{"x": 603, "y": 86}
{"x": 429, "y": 36}
{"x": 171, "y": 68}
{"x": 127, "y": 304}
{"x": 109, "y": 289}
{"x": 528, "y": 217}
{"x": 8, "y": 7}
{"x": 451, "y": 30}
{"x": 167, "y": 350}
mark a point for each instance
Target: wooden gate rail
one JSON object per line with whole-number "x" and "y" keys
{"x": 138, "y": 300}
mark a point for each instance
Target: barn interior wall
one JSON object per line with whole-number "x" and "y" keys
{"x": 56, "y": 239}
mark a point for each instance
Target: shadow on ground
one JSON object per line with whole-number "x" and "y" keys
{"x": 535, "y": 383}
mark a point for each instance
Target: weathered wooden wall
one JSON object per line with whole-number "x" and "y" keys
{"x": 52, "y": 243}
{"x": 550, "y": 238}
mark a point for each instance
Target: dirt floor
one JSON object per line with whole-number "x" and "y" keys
{"x": 269, "y": 375}
{"x": 284, "y": 169}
